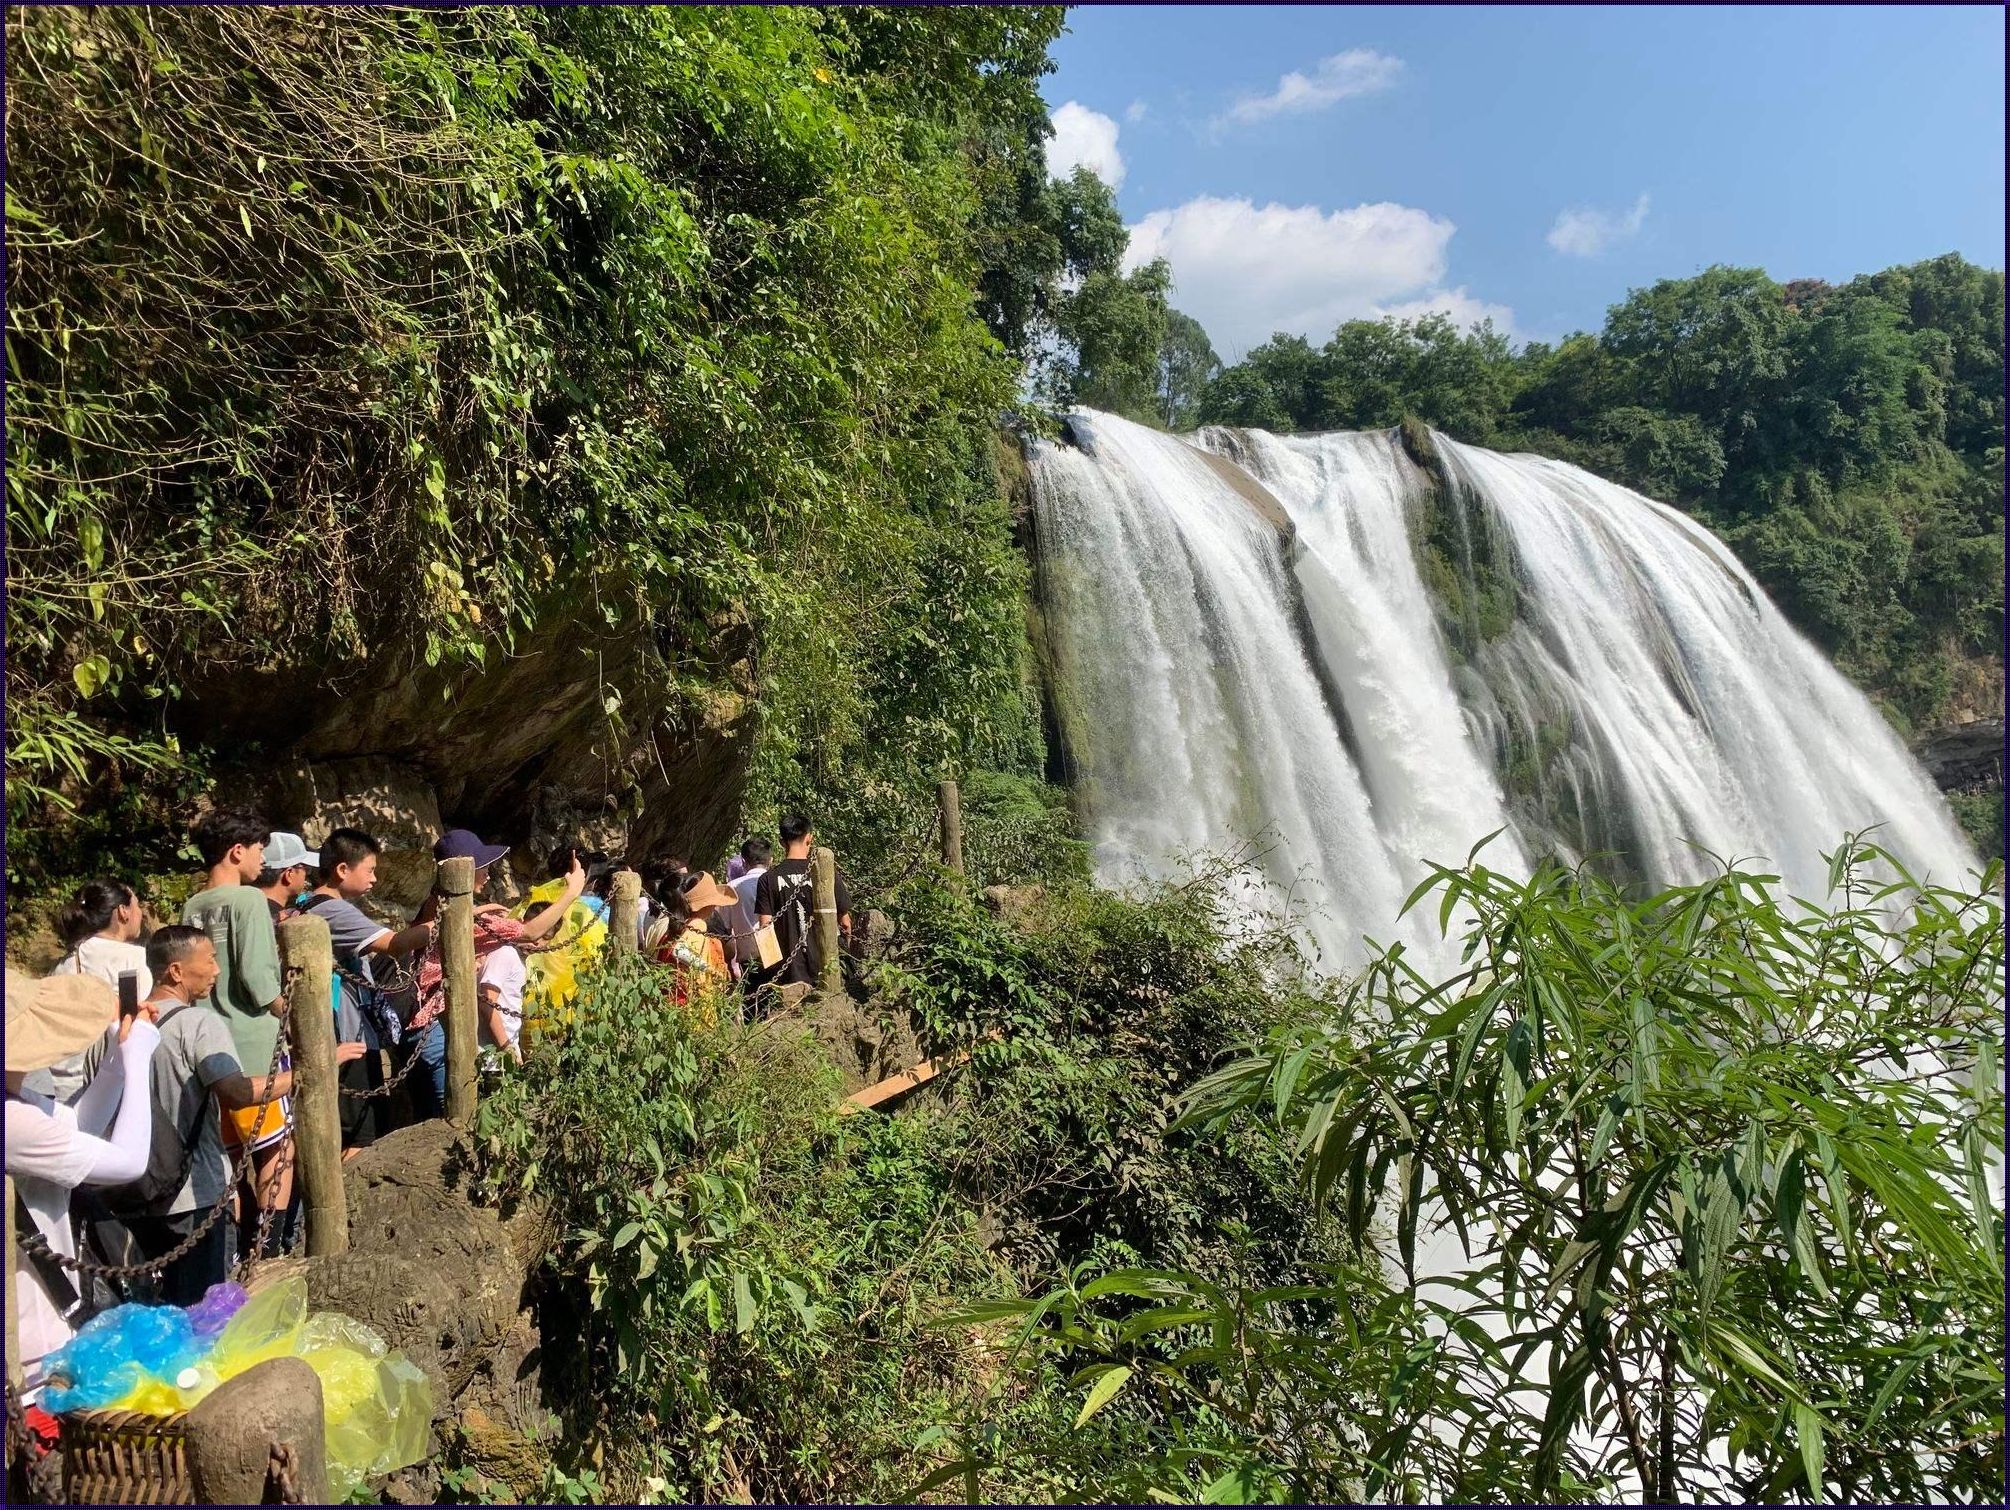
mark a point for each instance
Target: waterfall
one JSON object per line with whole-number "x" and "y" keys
{"x": 1193, "y": 715}
{"x": 1421, "y": 656}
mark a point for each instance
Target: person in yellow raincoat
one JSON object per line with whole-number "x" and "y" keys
{"x": 552, "y": 974}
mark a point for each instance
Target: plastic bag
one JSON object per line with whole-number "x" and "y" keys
{"x": 268, "y": 1325}
{"x": 208, "y": 1316}
{"x": 377, "y": 1408}
{"x": 130, "y": 1351}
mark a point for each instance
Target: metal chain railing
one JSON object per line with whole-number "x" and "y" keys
{"x": 391, "y": 1083}
{"x": 282, "y": 1475}
{"x": 34, "y": 1242}
{"x": 408, "y": 979}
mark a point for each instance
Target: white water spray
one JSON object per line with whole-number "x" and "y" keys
{"x": 1626, "y": 688}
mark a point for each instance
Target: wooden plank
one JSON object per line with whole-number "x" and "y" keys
{"x": 899, "y": 1085}
{"x": 906, "y": 1080}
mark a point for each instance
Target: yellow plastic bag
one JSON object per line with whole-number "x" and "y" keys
{"x": 377, "y": 1408}
{"x": 269, "y": 1325}
{"x": 154, "y": 1396}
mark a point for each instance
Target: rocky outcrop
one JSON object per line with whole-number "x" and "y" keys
{"x": 571, "y": 734}
{"x": 1967, "y": 757}
{"x": 446, "y": 1278}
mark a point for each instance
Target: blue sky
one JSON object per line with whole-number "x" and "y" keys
{"x": 1301, "y": 165}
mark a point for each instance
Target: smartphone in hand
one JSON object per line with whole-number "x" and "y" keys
{"x": 129, "y": 994}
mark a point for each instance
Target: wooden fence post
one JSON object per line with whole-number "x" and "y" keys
{"x": 304, "y": 948}
{"x": 623, "y": 909}
{"x": 823, "y": 888}
{"x": 14, "y": 1375}
{"x": 952, "y": 826}
{"x": 457, "y": 975}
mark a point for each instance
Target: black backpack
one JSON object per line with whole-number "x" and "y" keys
{"x": 168, "y": 1156}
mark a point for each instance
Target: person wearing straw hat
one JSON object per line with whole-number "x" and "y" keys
{"x": 698, "y": 954}
{"x": 103, "y": 1139}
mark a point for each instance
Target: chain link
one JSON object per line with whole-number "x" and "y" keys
{"x": 408, "y": 979}
{"x": 398, "y": 1078}
{"x": 283, "y": 1474}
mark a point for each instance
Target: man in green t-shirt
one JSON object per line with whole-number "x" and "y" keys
{"x": 248, "y": 988}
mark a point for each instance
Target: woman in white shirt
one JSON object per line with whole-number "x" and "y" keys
{"x": 101, "y": 927}
{"x": 53, "y": 1148}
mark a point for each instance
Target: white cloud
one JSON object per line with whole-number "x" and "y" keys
{"x": 1246, "y": 272}
{"x": 1581, "y": 232}
{"x": 1085, "y": 138}
{"x": 1346, "y": 74}
{"x": 1134, "y": 112}
{"x": 1466, "y": 309}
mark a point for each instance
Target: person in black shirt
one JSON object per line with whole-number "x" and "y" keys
{"x": 784, "y": 898}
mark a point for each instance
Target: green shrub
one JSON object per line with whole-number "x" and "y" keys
{"x": 1981, "y": 818}
{"x": 735, "y": 1304}
{"x": 1720, "y": 1162}
{"x": 1107, "y": 1008}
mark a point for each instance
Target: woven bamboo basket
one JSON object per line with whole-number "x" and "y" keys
{"x": 121, "y": 1457}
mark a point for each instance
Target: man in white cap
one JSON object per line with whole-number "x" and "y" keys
{"x": 103, "y": 1139}
{"x": 284, "y": 878}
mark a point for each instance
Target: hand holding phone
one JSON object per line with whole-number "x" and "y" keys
{"x": 129, "y": 1002}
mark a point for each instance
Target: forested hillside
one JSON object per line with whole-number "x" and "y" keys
{"x": 1847, "y": 440}
{"x": 351, "y": 348}
{"x": 613, "y": 401}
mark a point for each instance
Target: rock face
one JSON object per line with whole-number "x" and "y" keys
{"x": 1967, "y": 757}
{"x": 556, "y": 740}
{"x": 445, "y": 1278}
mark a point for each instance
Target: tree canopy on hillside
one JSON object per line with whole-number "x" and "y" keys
{"x": 1847, "y": 439}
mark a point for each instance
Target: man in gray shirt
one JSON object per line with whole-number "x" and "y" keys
{"x": 196, "y": 1060}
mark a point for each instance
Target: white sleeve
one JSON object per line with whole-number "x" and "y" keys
{"x": 122, "y": 1155}
{"x": 98, "y": 1101}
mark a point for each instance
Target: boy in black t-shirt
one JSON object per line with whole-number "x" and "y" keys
{"x": 785, "y": 899}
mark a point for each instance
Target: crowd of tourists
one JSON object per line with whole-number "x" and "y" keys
{"x": 149, "y": 1084}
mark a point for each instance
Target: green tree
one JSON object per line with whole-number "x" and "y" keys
{"x": 1240, "y": 396}
{"x": 669, "y": 322}
{"x": 1376, "y": 371}
{"x": 1290, "y": 368}
{"x": 1187, "y": 364}
{"x": 1713, "y": 346}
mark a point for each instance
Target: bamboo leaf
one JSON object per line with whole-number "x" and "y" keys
{"x": 1103, "y": 1391}
{"x": 1808, "y": 1432}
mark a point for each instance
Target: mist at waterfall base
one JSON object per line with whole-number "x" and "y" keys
{"x": 1406, "y": 668}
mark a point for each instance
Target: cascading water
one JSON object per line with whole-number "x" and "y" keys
{"x": 1192, "y": 715}
{"x": 1703, "y": 717}
{"x": 1495, "y": 643}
